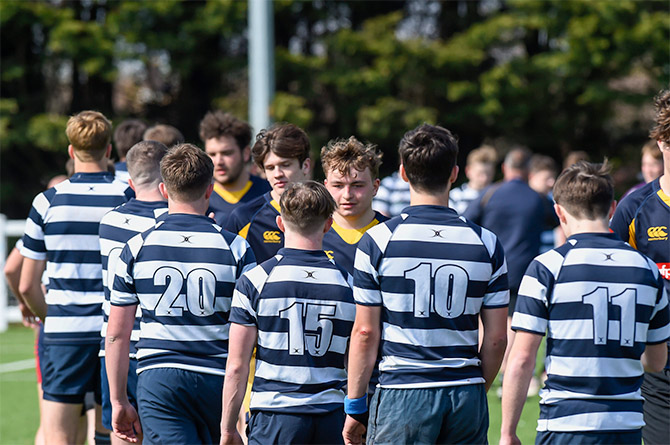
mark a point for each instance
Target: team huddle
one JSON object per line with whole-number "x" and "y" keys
{"x": 289, "y": 311}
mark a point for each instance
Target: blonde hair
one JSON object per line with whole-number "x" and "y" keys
{"x": 482, "y": 155}
{"x": 89, "y": 133}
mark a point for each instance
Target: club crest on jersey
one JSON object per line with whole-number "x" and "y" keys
{"x": 658, "y": 233}
{"x": 271, "y": 236}
{"x": 664, "y": 268}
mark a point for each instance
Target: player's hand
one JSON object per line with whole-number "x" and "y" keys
{"x": 28, "y": 319}
{"x": 509, "y": 439}
{"x": 231, "y": 438}
{"x": 126, "y": 422}
{"x": 212, "y": 215}
{"x": 353, "y": 432}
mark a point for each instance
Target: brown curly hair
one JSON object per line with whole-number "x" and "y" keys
{"x": 661, "y": 130}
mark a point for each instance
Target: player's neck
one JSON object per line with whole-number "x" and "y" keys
{"x": 236, "y": 185}
{"x": 576, "y": 226}
{"x": 664, "y": 182}
{"x": 151, "y": 195}
{"x": 90, "y": 166}
{"x": 302, "y": 242}
{"x": 418, "y": 198}
{"x": 354, "y": 221}
{"x": 275, "y": 195}
{"x": 191, "y": 208}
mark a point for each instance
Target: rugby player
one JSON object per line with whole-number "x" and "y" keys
{"x": 126, "y": 134}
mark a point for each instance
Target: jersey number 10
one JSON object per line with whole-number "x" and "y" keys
{"x": 443, "y": 292}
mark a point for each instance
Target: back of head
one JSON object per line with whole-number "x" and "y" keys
{"x": 342, "y": 155}
{"x": 89, "y": 133}
{"x": 218, "y": 124}
{"x": 428, "y": 154}
{"x": 143, "y": 161}
{"x": 126, "y": 134}
{"x": 540, "y": 163}
{"x": 518, "y": 159}
{"x": 187, "y": 172}
{"x": 661, "y": 130}
{"x": 165, "y": 134}
{"x": 305, "y": 206}
{"x": 482, "y": 155}
{"x": 284, "y": 140}
{"x": 585, "y": 190}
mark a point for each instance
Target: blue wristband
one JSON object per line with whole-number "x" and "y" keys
{"x": 356, "y": 406}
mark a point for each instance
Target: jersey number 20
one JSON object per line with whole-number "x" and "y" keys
{"x": 199, "y": 299}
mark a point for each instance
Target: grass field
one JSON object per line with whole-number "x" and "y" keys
{"x": 19, "y": 415}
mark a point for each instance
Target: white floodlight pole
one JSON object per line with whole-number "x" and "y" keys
{"x": 261, "y": 63}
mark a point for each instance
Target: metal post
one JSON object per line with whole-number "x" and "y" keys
{"x": 261, "y": 63}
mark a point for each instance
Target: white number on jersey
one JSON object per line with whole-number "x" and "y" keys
{"x": 315, "y": 331}
{"x": 443, "y": 292}
{"x": 600, "y": 300}
{"x": 199, "y": 298}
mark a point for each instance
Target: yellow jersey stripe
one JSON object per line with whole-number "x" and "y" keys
{"x": 232, "y": 197}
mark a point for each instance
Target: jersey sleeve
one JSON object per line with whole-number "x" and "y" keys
{"x": 123, "y": 292}
{"x": 659, "y": 325}
{"x": 234, "y": 222}
{"x": 532, "y": 308}
{"x": 241, "y": 309}
{"x": 33, "y": 237}
{"x": 367, "y": 290}
{"x": 246, "y": 260}
{"x": 622, "y": 219}
{"x": 381, "y": 201}
{"x": 497, "y": 291}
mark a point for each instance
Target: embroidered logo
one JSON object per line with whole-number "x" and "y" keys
{"x": 330, "y": 254}
{"x": 658, "y": 233}
{"x": 271, "y": 236}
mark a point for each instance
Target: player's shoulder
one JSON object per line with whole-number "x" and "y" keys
{"x": 260, "y": 184}
{"x": 380, "y": 217}
{"x": 248, "y": 210}
{"x": 631, "y": 203}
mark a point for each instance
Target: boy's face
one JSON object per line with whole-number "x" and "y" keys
{"x": 280, "y": 172}
{"x": 652, "y": 168}
{"x": 479, "y": 175}
{"x": 352, "y": 192}
{"x": 229, "y": 160}
{"x": 542, "y": 181}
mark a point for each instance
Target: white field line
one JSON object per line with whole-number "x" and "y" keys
{"x": 21, "y": 365}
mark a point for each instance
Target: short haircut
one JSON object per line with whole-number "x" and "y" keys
{"x": 540, "y": 163}
{"x": 305, "y": 206}
{"x": 428, "y": 154}
{"x": 342, "y": 155}
{"x": 143, "y": 163}
{"x": 651, "y": 149}
{"x": 661, "y": 130}
{"x": 518, "y": 159}
{"x": 217, "y": 124}
{"x": 165, "y": 134}
{"x": 127, "y": 134}
{"x": 89, "y": 133}
{"x": 585, "y": 190}
{"x": 187, "y": 172}
{"x": 482, "y": 155}
{"x": 285, "y": 140}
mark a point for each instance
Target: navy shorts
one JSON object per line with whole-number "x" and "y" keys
{"x": 70, "y": 371}
{"x": 267, "y": 427}
{"x": 450, "y": 414}
{"x": 588, "y": 438}
{"x": 179, "y": 406}
{"x": 656, "y": 393}
{"x": 131, "y": 390}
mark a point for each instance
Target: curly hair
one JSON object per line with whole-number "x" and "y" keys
{"x": 343, "y": 154}
{"x": 661, "y": 130}
{"x": 216, "y": 124}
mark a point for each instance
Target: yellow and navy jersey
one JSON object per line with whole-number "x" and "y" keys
{"x": 256, "y": 222}
{"x": 340, "y": 244}
{"x": 642, "y": 219}
{"x": 222, "y": 202}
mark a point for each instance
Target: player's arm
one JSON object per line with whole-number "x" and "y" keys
{"x": 654, "y": 357}
{"x": 519, "y": 371}
{"x": 494, "y": 342}
{"x": 30, "y": 286}
{"x": 240, "y": 347}
{"x": 125, "y": 421}
{"x": 13, "y": 266}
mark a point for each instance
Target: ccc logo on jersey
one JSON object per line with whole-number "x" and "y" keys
{"x": 658, "y": 233}
{"x": 271, "y": 236}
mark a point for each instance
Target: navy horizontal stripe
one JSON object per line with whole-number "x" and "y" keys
{"x": 570, "y": 407}
{"x": 581, "y": 311}
{"x": 587, "y": 272}
{"x": 117, "y": 234}
{"x": 417, "y": 352}
{"x": 223, "y": 289}
{"x": 198, "y": 348}
{"x": 163, "y": 359}
{"x": 438, "y": 251}
{"x": 74, "y": 256}
{"x": 602, "y": 386}
{"x": 186, "y": 255}
{"x": 35, "y": 245}
{"x": 185, "y": 319}
{"x": 307, "y": 290}
{"x": 75, "y": 200}
{"x": 70, "y": 310}
{"x": 240, "y": 316}
{"x": 428, "y": 375}
{"x": 315, "y": 409}
{"x": 71, "y": 228}
{"x": 587, "y": 348}
{"x": 79, "y": 338}
{"x": 282, "y": 358}
{"x": 77, "y": 284}
{"x": 276, "y": 324}
{"x": 397, "y": 284}
{"x": 35, "y": 217}
{"x": 261, "y": 385}
{"x": 407, "y": 320}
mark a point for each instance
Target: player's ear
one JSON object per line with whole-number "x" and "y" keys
{"x": 132, "y": 185}
{"x": 163, "y": 190}
{"x": 454, "y": 174}
{"x": 246, "y": 154}
{"x": 108, "y": 153}
{"x": 280, "y": 223}
{"x": 209, "y": 191}
{"x": 328, "y": 224}
{"x": 375, "y": 186}
{"x": 70, "y": 151}
{"x": 610, "y": 214}
{"x": 306, "y": 166}
{"x": 560, "y": 212}
{"x": 403, "y": 173}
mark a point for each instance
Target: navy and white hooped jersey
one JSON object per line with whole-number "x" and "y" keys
{"x": 340, "y": 243}
{"x": 116, "y": 228}
{"x": 302, "y": 305}
{"x": 62, "y": 228}
{"x": 222, "y": 202}
{"x": 600, "y": 302}
{"x": 182, "y": 273}
{"x": 256, "y": 222}
{"x": 432, "y": 272}
{"x": 121, "y": 171}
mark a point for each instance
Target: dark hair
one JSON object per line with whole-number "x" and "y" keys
{"x": 518, "y": 159}
{"x": 216, "y": 124}
{"x": 284, "y": 140}
{"x": 306, "y": 205}
{"x": 661, "y": 130}
{"x": 539, "y": 163}
{"x": 187, "y": 172}
{"x": 143, "y": 161}
{"x": 127, "y": 134}
{"x": 165, "y": 134}
{"x": 585, "y": 190}
{"x": 428, "y": 154}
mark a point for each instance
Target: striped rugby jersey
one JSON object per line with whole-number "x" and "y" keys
{"x": 256, "y": 222}
{"x": 302, "y": 305}
{"x": 392, "y": 196}
{"x": 432, "y": 272}
{"x": 182, "y": 273}
{"x": 223, "y": 202}
{"x": 62, "y": 228}
{"x": 340, "y": 243}
{"x": 116, "y": 228}
{"x": 600, "y": 302}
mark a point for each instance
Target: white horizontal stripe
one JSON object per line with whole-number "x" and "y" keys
{"x": 257, "y": 277}
{"x": 197, "y": 240}
{"x": 241, "y": 301}
{"x": 278, "y": 341}
{"x": 496, "y": 298}
{"x": 658, "y": 335}
{"x": 595, "y": 256}
{"x": 87, "y": 214}
{"x": 41, "y": 204}
{"x": 67, "y": 298}
{"x": 427, "y": 233}
{"x": 593, "y": 367}
{"x": 531, "y": 287}
{"x": 123, "y": 298}
{"x": 268, "y": 399}
{"x": 583, "y": 330}
{"x": 528, "y": 322}
{"x": 147, "y": 269}
{"x": 472, "y": 381}
{"x": 393, "y": 363}
{"x": 602, "y": 421}
{"x": 381, "y": 235}
{"x": 367, "y": 296}
{"x": 489, "y": 240}
{"x": 56, "y": 325}
{"x": 183, "y": 333}
{"x": 268, "y": 307}
{"x": 429, "y": 337}
{"x": 397, "y": 266}
{"x": 75, "y": 270}
{"x": 325, "y": 276}
{"x": 298, "y": 374}
{"x": 362, "y": 263}
{"x": 398, "y": 302}
{"x": 553, "y": 396}
{"x": 201, "y": 369}
{"x": 574, "y": 291}
{"x": 72, "y": 242}
{"x": 552, "y": 260}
